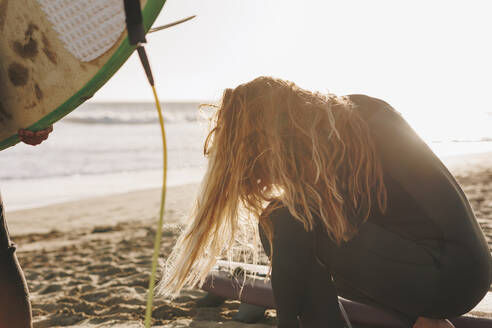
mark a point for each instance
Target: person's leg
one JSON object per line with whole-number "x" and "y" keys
{"x": 384, "y": 269}
{"x": 15, "y": 308}
{"x": 301, "y": 286}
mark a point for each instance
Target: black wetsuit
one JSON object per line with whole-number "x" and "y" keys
{"x": 15, "y": 309}
{"x": 425, "y": 256}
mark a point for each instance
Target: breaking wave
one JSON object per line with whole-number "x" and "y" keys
{"x": 135, "y": 113}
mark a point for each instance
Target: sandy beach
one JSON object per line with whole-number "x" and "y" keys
{"x": 87, "y": 262}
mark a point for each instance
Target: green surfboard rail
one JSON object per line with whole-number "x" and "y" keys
{"x": 149, "y": 13}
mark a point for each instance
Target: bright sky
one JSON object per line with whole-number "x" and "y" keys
{"x": 426, "y": 58}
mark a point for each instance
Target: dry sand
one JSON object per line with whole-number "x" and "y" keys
{"x": 87, "y": 262}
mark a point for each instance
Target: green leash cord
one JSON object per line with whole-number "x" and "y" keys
{"x": 136, "y": 36}
{"x": 158, "y": 235}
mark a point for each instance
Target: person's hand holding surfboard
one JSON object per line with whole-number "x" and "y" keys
{"x": 34, "y": 138}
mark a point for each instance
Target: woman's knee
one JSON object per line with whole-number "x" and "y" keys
{"x": 286, "y": 227}
{"x": 464, "y": 282}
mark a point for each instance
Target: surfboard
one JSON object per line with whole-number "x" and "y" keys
{"x": 55, "y": 54}
{"x": 247, "y": 283}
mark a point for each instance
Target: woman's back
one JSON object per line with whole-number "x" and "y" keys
{"x": 425, "y": 203}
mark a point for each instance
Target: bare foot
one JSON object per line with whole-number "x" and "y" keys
{"x": 432, "y": 323}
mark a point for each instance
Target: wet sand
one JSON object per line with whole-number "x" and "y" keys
{"x": 87, "y": 262}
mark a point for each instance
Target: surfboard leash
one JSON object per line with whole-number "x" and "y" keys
{"x": 136, "y": 36}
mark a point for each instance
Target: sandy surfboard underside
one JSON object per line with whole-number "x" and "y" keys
{"x": 54, "y": 54}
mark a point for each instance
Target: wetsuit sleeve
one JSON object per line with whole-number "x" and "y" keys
{"x": 301, "y": 286}
{"x": 412, "y": 164}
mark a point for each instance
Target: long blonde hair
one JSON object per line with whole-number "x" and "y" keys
{"x": 272, "y": 142}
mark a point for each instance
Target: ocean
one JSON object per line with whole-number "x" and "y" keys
{"x": 109, "y": 148}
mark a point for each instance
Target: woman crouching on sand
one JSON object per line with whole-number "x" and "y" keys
{"x": 349, "y": 201}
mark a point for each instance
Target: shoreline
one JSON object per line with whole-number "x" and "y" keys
{"x": 141, "y": 205}
{"x": 104, "y": 185}
{"x": 21, "y": 194}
